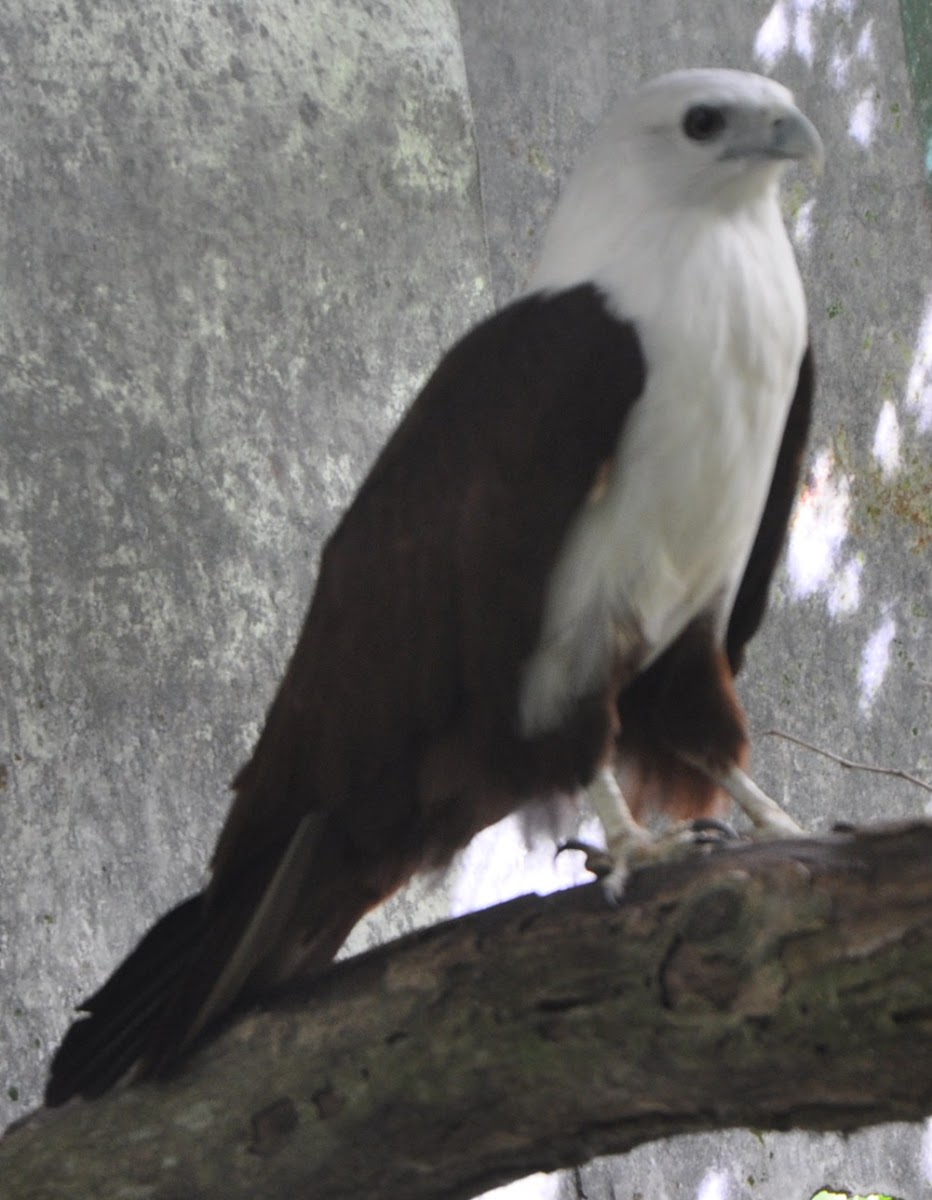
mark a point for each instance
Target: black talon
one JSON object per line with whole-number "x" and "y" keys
{"x": 598, "y": 860}
{"x": 710, "y": 829}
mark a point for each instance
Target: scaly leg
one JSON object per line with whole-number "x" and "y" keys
{"x": 769, "y": 819}
{"x": 628, "y": 844}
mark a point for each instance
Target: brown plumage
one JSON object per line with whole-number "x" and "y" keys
{"x": 393, "y": 733}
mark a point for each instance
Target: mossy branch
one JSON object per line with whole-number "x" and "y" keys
{"x": 775, "y": 986}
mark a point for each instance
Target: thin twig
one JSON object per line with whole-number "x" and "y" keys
{"x": 847, "y": 762}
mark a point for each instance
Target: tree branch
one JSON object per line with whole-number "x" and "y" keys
{"x": 778, "y": 985}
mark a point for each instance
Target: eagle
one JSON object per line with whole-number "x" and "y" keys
{"x": 544, "y": 586}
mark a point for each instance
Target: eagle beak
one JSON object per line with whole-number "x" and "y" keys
{"x": 783, "y": 134}
{"x": 793, "y": 136}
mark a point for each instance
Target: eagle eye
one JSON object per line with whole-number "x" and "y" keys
{"x": 703, "y": 122}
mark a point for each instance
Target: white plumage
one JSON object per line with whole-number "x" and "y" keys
{"x": 686, "y": 240}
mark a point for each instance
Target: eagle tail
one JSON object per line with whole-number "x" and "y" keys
{"x": 124, "y": 1015}
{"x": 286, "y": 917}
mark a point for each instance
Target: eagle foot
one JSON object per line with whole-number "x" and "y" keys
{"x": 613, "y": 865}
{"x": 598, "y": 860}
{"x": 711, "y": 829}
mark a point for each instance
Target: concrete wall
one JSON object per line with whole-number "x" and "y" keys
{"x": 235, "y": 237}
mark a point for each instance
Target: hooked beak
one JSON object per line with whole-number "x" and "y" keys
{"x": 783, "y": 134}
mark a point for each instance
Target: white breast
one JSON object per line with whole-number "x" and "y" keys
{"x": 721, "y": 316}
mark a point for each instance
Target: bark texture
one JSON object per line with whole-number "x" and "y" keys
{"x": 779, "y": 985}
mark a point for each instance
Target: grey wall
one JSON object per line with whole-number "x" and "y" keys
{"x": 234, "y": 239}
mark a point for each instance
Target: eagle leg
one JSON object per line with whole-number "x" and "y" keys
{"x": 629, "y": 845}
{"x": 768, "y": 818}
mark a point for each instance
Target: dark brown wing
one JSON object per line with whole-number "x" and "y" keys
{"x": 429, "y": 598}
{"x": 751, "y": 600}
{"x": 432, "y": 584}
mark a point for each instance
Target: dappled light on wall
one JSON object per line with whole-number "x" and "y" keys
{"x": 787, "y": 26}
{"x": 802, "y": 226}
{"x": 815, "y": 560}
{"x": 919, "y": 383}
{"x": 886, "y": 447}
{"x": 875, "y": 660}
{"x": 715, "y": 1186}
{"x": 534, "y": 1187}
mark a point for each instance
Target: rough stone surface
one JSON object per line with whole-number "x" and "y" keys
{"x": 235, "y": 238}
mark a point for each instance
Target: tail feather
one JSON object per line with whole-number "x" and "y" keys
{"x": 281, "y": 915}
{"x": 124, "y": 1014}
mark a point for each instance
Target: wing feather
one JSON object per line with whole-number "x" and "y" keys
{"x": 432, "y": 585}
{"x": 428, "y": 601}
{"x": 751, "y": 599}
